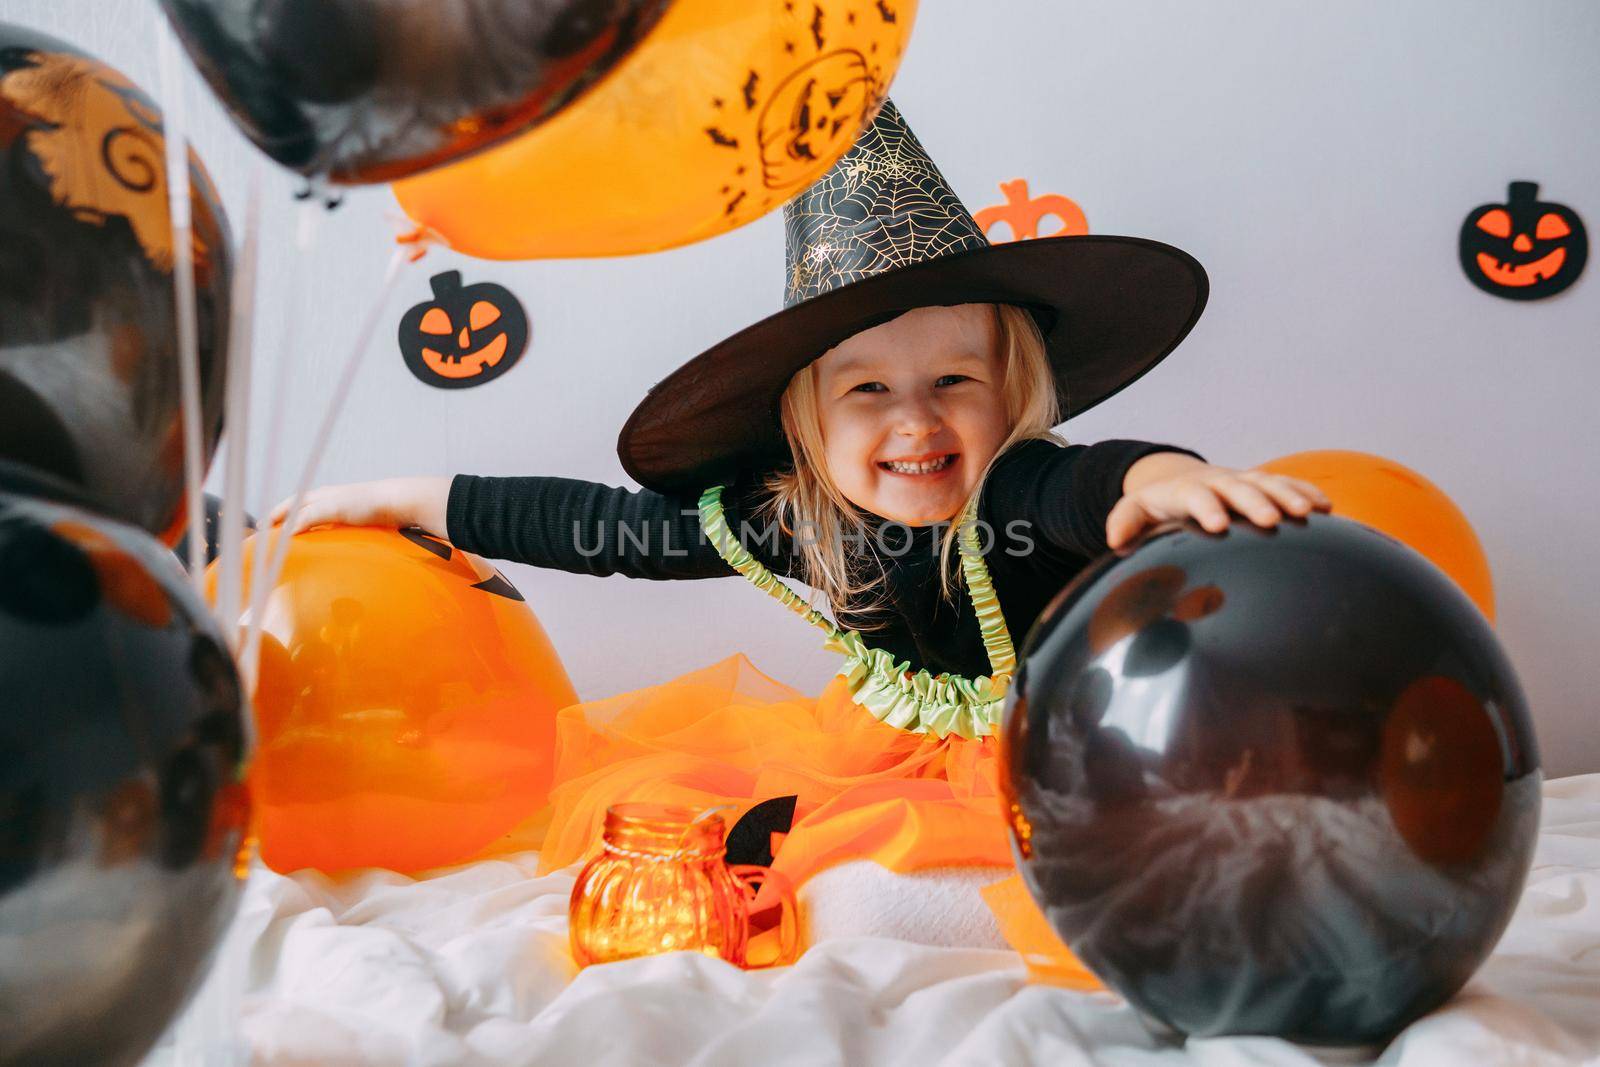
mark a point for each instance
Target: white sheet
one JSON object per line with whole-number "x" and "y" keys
{"x": 470, "y": 967}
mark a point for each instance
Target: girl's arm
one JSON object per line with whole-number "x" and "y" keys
{"x": 1062, "y": 496}
{"x": 561, "y": 523}
{"x": 1164, "y": 486}
{"x": 1087, "y": 499}
{"x": 583, "y": 527}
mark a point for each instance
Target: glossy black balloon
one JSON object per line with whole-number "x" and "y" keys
{"x": 122, "y": 813}
{"x": 213, "y": 532}
{"x": 1272, "y": 782}
{"x": 88, "y": 339}
{"x": 375, "y": 90}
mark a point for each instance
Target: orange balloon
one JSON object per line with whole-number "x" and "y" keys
{"x": 725, "y": 111}
{"x": 1403, "y": 504}
{"x": 405, "y": 707}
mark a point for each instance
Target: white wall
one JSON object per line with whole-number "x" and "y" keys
{"x": 1318, "y": 158}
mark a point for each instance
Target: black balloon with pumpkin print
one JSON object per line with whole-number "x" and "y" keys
{"x": 1279, "y": 782}
{"x": 465, "y": 335}
{"x": 1523, "y": 249}
{"x": 89, "y": 393}
{"x": 123, "y": 813}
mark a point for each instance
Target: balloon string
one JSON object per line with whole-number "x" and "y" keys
{"x": 177, "y": 159}
{"x": 278, "y": 551}
{"x": 241, "y": 327}
{"x": 305, "y": 233}
{"x": 199, "y": 1031}
{"x": 418, "y": 239}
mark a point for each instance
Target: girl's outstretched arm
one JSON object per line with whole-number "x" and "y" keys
{"x": 1167, "y": 486}
{"x": 589, "y": 528}
{"x": 1060, "y": 497}
{"x": 562, "y": 523}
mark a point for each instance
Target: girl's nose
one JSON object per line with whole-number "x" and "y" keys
{"x": 916, "y": 417}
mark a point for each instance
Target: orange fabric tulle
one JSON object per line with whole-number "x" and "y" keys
{"x": 729, "y": 735}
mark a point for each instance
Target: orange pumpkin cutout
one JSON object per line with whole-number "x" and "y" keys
{"x": 1023, "y": 214}
{"x": 405, "y": 707}
{"x": 466, "y": 335}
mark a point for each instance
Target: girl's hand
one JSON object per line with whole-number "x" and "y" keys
{"x": 1168, "y": 489}
{"x": 391, "y": 502}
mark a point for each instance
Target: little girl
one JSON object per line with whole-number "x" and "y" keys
{"x": 895, "y": 415}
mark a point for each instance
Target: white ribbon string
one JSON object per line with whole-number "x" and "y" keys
{"x": 278, "y": 540}
{"x": 237, "y": 425}
{"x": 178, "y": 207}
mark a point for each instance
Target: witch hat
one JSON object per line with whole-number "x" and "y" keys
{"x": 880, "y": 234}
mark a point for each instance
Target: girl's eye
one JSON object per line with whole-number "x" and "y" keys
{"x": 952, "y": 379}
{"x": 869, "y": 387}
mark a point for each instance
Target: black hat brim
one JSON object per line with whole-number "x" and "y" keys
{"x": 1110, "y": 309}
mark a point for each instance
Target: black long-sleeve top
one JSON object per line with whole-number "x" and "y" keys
{"x": 1043, "y": 510}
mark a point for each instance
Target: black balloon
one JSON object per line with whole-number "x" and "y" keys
{"x": 88, "y": 340}
{"x": 213, "y": 532}
{"x": 375, "y": 90}
{"x": 1272, "y": 782}
{"x": 122, "y": 812}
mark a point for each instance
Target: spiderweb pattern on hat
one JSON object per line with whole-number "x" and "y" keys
{"x": 883, "y": 206}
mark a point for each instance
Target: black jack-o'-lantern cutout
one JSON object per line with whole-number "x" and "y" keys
{"x": 466, "y": 335}
{"x": 1523, "y": 249}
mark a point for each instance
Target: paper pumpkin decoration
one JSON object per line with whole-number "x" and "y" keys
{"x": 1523, "y": 249}
{"x": 405, "y": 708}
{"x": 752, "y": 838}
{"x": 1023, "y": 214}
{"x": 726, "y": 110}
{"x": 466, "y": 335}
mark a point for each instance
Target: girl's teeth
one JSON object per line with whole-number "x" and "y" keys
{"x": 919, "y": 468}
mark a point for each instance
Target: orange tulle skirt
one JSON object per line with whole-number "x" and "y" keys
{"x": 728, "y": 735}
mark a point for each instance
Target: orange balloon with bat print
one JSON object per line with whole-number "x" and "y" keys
{"x": 727, "y": 109}
{"x": 405, "y": 704}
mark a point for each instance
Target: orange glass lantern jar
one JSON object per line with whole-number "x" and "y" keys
{"x": 660, "y": 884}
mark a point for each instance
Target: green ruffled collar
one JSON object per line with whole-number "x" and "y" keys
{"x": 916, "y": 701}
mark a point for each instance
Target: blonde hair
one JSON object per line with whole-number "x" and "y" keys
{"x": 807, "y": 495}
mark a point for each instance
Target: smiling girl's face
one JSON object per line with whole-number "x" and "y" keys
{"x": 912, "y": 411}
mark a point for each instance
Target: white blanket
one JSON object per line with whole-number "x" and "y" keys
{"x": 470, "y": 966}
